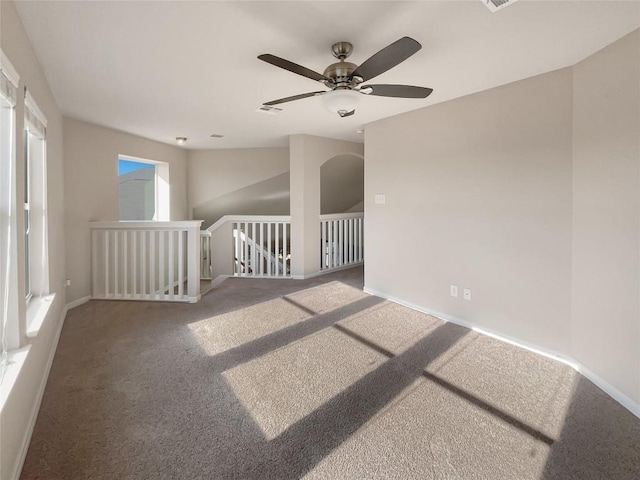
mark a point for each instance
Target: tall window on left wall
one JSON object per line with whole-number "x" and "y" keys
{"x": 36, "y": 262}
{"x": 9, "y": 81}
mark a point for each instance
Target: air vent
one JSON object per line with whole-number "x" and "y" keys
{"x": 495, "y": 5}
{"x": 216, "y": 135}
{"x": 269, "y": 110}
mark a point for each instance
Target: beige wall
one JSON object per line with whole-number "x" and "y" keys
{"x": 91, "y": 187}
{"x": 606, "y": 214}
{"x": 529, "y": 195}
{"x": 21, "y": 406}
{"x": 342, "y": 185}
{"x": 215, "y": 173}
{"x": 482, "y": 185}
{"x": 307, "y": 155}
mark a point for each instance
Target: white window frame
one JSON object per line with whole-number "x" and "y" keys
{"x": 36, "y": 255}
{"x": 9, "y": 325}
{"x": 162, "y": 187}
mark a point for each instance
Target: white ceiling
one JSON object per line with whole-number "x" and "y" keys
{"x": 168, "y": 69}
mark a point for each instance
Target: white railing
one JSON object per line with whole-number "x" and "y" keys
{"x": 262, "y": 246}
{"x": 251, "y": 246}
{"x": 146, "y": 261}
{"x": 205, "y": 254}
{"x": 341, "y": 240}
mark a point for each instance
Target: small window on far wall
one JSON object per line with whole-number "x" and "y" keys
{"x": 137, "y": 190}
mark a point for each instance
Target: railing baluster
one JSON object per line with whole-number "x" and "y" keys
{"x": 162, "y": 254}
{"x": 270, "y": 256}
{"x": 285, "y": 236}
{"x": 321, "y": 245}
{"x": 134, "y": 263}
{"x": 106, "y": 263}
{"x": 245, "y": 260}
{"x": 94, "y": 262}
{"x": 181, "y": 234}
{"x": 171, "y": 264}
{"x": 361, "y": 242}
{"x": 276, "y": 248}
{"x": 125, "y": 270}
{"x": 258, "y": 241}
{"x": 152, "y": 263}
{"x": 116, "y": 261}
{"x": 143, "y": 263}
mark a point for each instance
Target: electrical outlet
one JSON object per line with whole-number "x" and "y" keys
{"x": 467, "y": 294}
{"x": 67, "y": 283}
{"x": 453, "y": 290}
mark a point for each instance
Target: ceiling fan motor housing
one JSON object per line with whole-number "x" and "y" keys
{"x": 340, "y": 72}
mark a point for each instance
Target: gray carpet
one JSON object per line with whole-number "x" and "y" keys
{"x": 283, "y": 379}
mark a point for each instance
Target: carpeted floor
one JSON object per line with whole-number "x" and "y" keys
{"x": 279, "y": 379}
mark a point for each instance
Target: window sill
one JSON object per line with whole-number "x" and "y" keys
{"x": 37, "y": 311}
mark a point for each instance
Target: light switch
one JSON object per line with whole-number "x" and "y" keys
{"x": 380, "y": 199}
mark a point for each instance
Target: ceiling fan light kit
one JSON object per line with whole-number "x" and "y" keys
{"x": 341, "y": 101}
{"x": 345, "y": 78}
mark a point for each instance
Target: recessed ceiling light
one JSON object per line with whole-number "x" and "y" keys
{"x": 216, "y": 135}
{"x": 181, "y": 140}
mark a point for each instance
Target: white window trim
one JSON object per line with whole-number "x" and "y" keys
{"x": 30, "y": 103}
{"x": 9, "y": 316}
{"x": 38, "y": 303}
{"x": 8, "y": 70}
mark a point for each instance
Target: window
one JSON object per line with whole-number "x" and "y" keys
{"x": 143, "y": 189}
{"x": 36, "y": 265}
{"x": 9, "y": 329}
{"x": 136, "y": 190}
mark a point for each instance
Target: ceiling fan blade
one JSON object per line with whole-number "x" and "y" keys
{"x": 399, "y": 91}
{"x": 295, "y": 97}
{"x": 293, "y": 67}
{"x": 387, "y": 58}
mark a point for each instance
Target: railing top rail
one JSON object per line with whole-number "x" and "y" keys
{"x": 249, "y": 218}
{"x": 146, "y": 225}
{"x": 338, "y": 216}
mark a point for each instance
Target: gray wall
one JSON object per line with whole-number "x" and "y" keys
{"x": 307, "y": 155}
{"x": 91, "y": 187}
{"x": 21, "y": 405}
{"x": 342, "y": 185}
{"x": 239, "y": 181}
{"x": 528, "y": 195}
{"x": 606, "y": 214}
{"x": 482, "y": 185}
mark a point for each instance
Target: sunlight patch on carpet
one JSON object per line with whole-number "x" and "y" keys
{"x": 282, "y": 387}
{"x": 223, "y": 332}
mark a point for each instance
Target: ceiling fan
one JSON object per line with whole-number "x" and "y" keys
{"x": 345, "y": 79}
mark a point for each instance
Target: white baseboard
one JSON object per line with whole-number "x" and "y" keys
{"x": 43, "y": 383}
{"x": 605, "y": 386}
{"x": 325, "y": 272}
{"x": 76, "y": 303}
{"x": 219, "y": 279}
{"x": 610, "y": 390}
